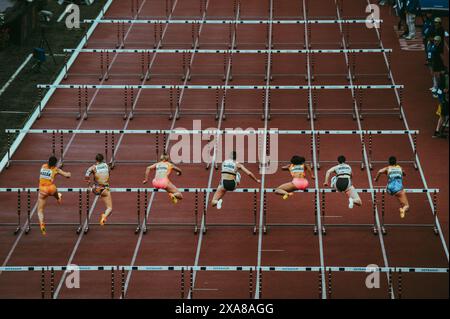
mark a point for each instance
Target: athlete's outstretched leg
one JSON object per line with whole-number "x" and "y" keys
{"x": 174, "y": 193}
{"x": 107, "y": 200}
{"x": 218, "y": 195}
{"x": 285, "y": 190}
{"x": 354, "y": 196}
{"x": 403, "y": 199}
{"x": 42, "y": 200}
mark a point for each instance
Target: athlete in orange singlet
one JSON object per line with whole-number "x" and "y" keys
{"x": 161, "y": 180}
{"x": 101, "y": 172}
{"x": 47, "y": 187}
{"x": 298, "y": 170}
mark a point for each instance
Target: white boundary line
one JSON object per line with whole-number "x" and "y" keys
{"x": 13, "y": 77}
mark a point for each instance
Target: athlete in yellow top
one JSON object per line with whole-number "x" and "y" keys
{"x": 161, "y": 181}
{"x": 298, "y": 169}
{"x": 47, "y": 187}
{"x": 100, "y": 170}
{"x": 394, "y": 187}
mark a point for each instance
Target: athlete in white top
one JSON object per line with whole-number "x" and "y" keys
{"x": 230, "y": 179}
{"x": 342, "y": 181}
{"x": 100, "y": 187}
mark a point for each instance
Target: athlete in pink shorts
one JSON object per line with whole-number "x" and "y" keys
{"x": 161, "y": 180}
{"x": 298, "y": 170}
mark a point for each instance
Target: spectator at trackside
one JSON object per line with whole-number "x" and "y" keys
{"x": 439, "y": 31}
{"x": 412, "y": 8}
{"x": 436, "y": 63}
{"x": 427, "y": 31}
{"x": 443, "y": 113}
{"x": 400, "y": 12}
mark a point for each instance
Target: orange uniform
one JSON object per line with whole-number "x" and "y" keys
{"x": 46, "y": 180}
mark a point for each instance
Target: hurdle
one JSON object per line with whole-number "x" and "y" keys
{"x": 385, "y": 225}
{"x": 155, "y": 24}
{"x": 83, "y": 210}
{"x": 48, "y": 273}
{"x": 322, "y": 203}
{"x": 174, "y": 107}
{"x": 161, "y": 137}
{"x": 375, "y": 203}
{"x": 142, "y": 224}
{"x": 145, "y": 57}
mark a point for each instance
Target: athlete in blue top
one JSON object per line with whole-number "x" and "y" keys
{"x": 395, "y": 183}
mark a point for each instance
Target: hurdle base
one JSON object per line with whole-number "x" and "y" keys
{"x": 146, "y": 227}
{"x": 371, "y": 226}
{"x": 238, "y": 225}
{"x": 281, "y": 225}
{"x": 87, "y": 228}
{"x": 435, "y": 230}
{"x": 16, "y": 231}
{"x": 30, "y": 225}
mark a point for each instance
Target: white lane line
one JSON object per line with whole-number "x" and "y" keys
{"x": 13, "y": 77}
{"x": 264, "y": 161}
{"x": 366, "y": 160}
{"x": 213, "y": 161}
{"x": 319, "y": 214}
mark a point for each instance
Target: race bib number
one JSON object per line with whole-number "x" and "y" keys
{"x": 46, "y": 174}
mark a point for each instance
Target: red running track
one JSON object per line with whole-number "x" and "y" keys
{"x": 344, "y": 246}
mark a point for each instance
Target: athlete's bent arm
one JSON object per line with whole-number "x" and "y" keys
{"x": 177, "y": 169}
{"x": 327, "y": 175}
{"x": 147, "y": 172}
{"x": 380, "y": 172}
{"x": 246, "y": 171}
{"x": 311, "y": 173}
{"x": 63, "y": 173}
{"x": 87, "y": 176}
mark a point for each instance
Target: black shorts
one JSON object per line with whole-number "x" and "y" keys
{"x": 437, "y": 65}
{"x": 342, "y": 184}
{"x": 229, "y": 184}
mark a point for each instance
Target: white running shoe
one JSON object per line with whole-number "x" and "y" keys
{"x": 350, "y": 203}
{"x": 219, "y": 204}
